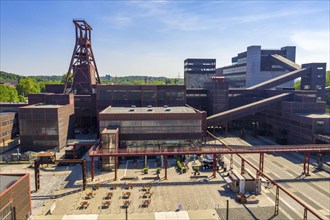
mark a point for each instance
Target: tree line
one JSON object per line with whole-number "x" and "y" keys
{"x": 18, "y": 87}
{"x": 36, "y": 84}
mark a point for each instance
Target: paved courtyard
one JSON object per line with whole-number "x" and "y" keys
{"x": 180, "y": 192}
{"x": 179, "y": 195}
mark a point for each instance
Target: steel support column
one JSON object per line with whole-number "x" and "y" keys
{"x": 84, "y": 171}
{"x": 305, "y": 214}
{"x": 319, "y": 161}
{"x": 306, "y": 163}
{"x": 261, "y": 164}
{"x": 242, "y": 167}
{"x": 92, "y": 168}
{"x": 308, "y": 160}
{"x": 231, "y": 165}
{"x": 37, "y": 175}
{"x": 214, "y": 165}
{"x": 277, "y": 201}
{"x": 165, "y": 164}
{"x": 116, "y": 165}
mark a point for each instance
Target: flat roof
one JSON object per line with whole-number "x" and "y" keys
{"x": 320, "y": 116}
{"x": 8, "y": 180}
{"x": 139, "y": 110}
{"x": 109, "y": 131}
{"x": 6, "y": 113}
{"x": 42, "y": 106}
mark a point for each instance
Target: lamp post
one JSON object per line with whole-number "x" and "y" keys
{"x": 18, "y": 155}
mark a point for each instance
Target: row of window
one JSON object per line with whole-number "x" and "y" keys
{"x": 204, "y": 64}
{"x": 145, "y": 95}
{"x": 156, "y": 143}
{"x": 235, "y": 70}
{"x": 38, "y": 130}
{"x": 149, "y": 123}
{"x": 199, "y": 69}
{"x": 196, "y": 95}
{"x": 159, "y": 130}
{"x": 4, "y": 133}
{"x": 4, "y": 123}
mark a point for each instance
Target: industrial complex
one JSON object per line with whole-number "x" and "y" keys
{"x": 157, "y": 123}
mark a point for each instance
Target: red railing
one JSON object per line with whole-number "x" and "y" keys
{"x": 149, "y": 151}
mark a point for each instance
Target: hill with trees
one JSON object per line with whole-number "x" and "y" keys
{"x": 15, "y": 87}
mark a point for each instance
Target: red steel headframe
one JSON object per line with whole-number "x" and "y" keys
{"x": 82, "y": 72}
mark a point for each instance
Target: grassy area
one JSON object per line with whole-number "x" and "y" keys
{"x": 328, "y": 109}
{"x": 14, "y": 162}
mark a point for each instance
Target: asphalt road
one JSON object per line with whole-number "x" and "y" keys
{"x": 286, "y": 169}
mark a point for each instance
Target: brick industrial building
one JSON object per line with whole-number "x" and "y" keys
{"x": 15, "y": 196}
{"x": 255, "y": 92}
{"x": 8, "y": 125}
{"x": 48, "y": 124}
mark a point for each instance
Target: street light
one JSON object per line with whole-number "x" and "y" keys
{"x": 18, "y": 155}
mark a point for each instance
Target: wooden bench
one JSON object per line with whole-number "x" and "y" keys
{"x": 89, "y": 195}
{"x": 130, "y": 178}
{"x": 147, "y": 194}
{"x": 146, "y": 202}
{"x": 96, "y": 186}
{"x": 105, "y": 204}
{"x": 126, "y": 194}
{"x": 149, "y": 178}
{"x": 109, "y": 195}
{"x": 113, "y": 186}
{"x": 198, "y": 176}
{"x": 84, "y": 205}
{"x": 126, "y": 203}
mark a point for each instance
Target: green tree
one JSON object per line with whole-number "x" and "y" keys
{"x": 8, "y": 94}
{"x": 297, "y": 84}
{"x": 327, "y": 78}
{"x": 27, "y": 86}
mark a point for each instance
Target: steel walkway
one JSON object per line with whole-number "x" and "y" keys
{"x": 172, "y": 151}
{"x": 245, "y": 110}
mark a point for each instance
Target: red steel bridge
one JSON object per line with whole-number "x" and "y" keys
{"x": 97, "y": 151}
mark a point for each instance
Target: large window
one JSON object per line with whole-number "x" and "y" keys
{"x": 7, "y": 212}
{"x": 154, "y": 126}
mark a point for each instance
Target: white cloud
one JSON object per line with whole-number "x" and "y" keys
{"x": 119, "y": 20}
{"x": 317, "y": 41}
{"x": 256, "y": 17}
{"x": 312, "y": 46}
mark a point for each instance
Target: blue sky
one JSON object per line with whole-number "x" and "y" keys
{"x": 154, "y": 37}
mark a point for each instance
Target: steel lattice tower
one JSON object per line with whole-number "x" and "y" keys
{"x": 82, "y": 73}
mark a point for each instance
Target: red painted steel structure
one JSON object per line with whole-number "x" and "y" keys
{"x": 172, "y": 151}
{"x": 83, "y": 66}
{"x": 306, "y": 163}
{"x": 278, "y": 186}
{"x": 96, "y": 151}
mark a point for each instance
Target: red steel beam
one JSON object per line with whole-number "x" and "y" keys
{"x": 165, "y": 160}
{"x": 116, "y": 165}
{"x": 92, "y": 167}
{"x": 171, "y": 151}
{"x": 214, "y": 165}
{"x": 242, "y": 167}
